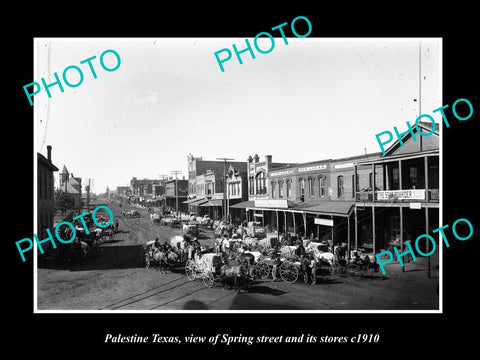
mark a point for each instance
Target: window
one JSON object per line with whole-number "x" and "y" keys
{"x": 370, "y": 181}
{"x": 413, "y": 178}
{"x": 302, "y": 189}
{"x": 261, "y": 185}
{"x": 340, "y": 189}
{"x": 280, "y": 189}
{"x": 289, "y": 188}
{"x": 395, "y": 179}
{"x": 273, "y": 189}
{"x": 353, "y": 186}
{"x": 321, "y": 186}
{"x": 311, "y": 190}
{"x": 251, "y": 186}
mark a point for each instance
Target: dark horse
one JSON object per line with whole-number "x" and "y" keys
{"x": 236, "y": 269}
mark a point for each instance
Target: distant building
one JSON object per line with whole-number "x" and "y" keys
{"x": 143, "y": 187}
{"x": 206, "y": 185}
{"x": 72, "y": 185}
{"x": 123, "y": 191}
{"x": 176, "y": 196}
{"x": 45, "y": 213}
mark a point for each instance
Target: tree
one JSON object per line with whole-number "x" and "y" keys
{"x": 62, "y": 201}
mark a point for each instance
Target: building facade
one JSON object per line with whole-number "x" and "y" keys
{"x": 72, "y": 185}
{"x": 214, "y": 185}
{"x": 401, "y": 200}
{"x": 45, "y": 189}
{"x": 176, "y": 192}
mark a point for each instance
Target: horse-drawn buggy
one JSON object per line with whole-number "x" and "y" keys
{"x": 283, "y": 262}
{"x": 171, "y": 222}
{"x": 191, "y": 228}
{"x": 165, "y": 256}
{"x": 130, "y": 213}
{"x": 220, "y": 269}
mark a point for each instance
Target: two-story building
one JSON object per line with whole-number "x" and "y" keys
{"x": 315, "y": 199}
{"x": 207, "y": 181}
{"x": 400, "y": 201}
{"x": 176, "y": 192}
{"x": 45, "y": 184}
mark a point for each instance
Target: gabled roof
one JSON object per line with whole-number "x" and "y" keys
{"x": 44, "y": 161}
{"x": 410, "y": 145}
{"x": 64, "y": 170}
{"x": 70, "y": 189}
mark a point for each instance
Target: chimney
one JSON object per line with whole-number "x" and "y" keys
{"x": 268, "y": 159}
{"x": 49, "y": 153}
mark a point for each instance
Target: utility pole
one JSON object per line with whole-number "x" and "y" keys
{"x": 176, "y": 172}
{"x": 163, "y": 177}
{"x": 225, "y": 209}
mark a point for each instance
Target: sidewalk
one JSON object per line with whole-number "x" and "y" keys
{"x": 417, "y": 269}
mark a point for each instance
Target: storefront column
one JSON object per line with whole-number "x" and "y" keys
{"x": 348, "y": 237}
{"x": 373, "y": 229}
{"x": 294, "y": 225}
{"x": 285, "y": 222}
{"x": 401, "y": 234}
{"x": 427, "y": 199}
{"x": 356, "y": 230}
{"x": 278, "y": 226}
{"x": 331, "y": 217}
{"x": 304, "y": 224}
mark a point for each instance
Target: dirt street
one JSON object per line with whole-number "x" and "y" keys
{"x": 115, "y": 279}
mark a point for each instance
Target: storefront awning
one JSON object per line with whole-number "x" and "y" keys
{"x": 216, "y": 202}
{"x": 244, "y": 205}
{"x": 197, "y": 202}
{"x": 191, "y": 201}
{"x": 339, "y": 208}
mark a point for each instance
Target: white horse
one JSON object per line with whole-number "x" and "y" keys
{"x": 160, "y": 259}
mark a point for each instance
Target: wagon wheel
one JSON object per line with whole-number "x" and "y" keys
{"x": 191, "y": 270}
{"x": 147, "y": 261}
{"x": 263, "y": 270}
{"x": 288, "y": 272}
{"x": 208, "y": 278}
{"x": 352, "y": 270}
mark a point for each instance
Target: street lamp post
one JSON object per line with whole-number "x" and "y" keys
{"x": 176, "y": 172}
{"x": 225, "y": 210}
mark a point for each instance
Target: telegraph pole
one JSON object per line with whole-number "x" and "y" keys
{"x": 164, "y": 201}
{"x": 225, "y": 209}
{"x": 176, "y": 172}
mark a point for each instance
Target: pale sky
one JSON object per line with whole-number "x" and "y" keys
{"x": 309, "y": 100}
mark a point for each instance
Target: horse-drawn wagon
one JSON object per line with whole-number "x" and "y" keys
{"x": 169, "y": 256}
{"x": 217, "y": 269}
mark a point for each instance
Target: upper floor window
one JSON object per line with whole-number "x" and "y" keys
{"x": 311, "y": 189}
{"x": 261, "y": 183}
{"x": 302, "y": 189}
{"x": 340, "y": 188}
{"x": 280, "y": 189}
{"x": 321, "y": 186}
{"x": 273, "y": 189}
{"x": 289, "y": 188}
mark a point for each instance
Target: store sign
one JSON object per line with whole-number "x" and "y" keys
{"x": 281, "y": 173}
{"x": 270, "y": 203}
{"x": 326, "y": 222}
{"x": 312, "y": 168}
{"x": 258, "y": 215}
{"x": 390, "y": 195}
{"x": 343, "y": 166}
